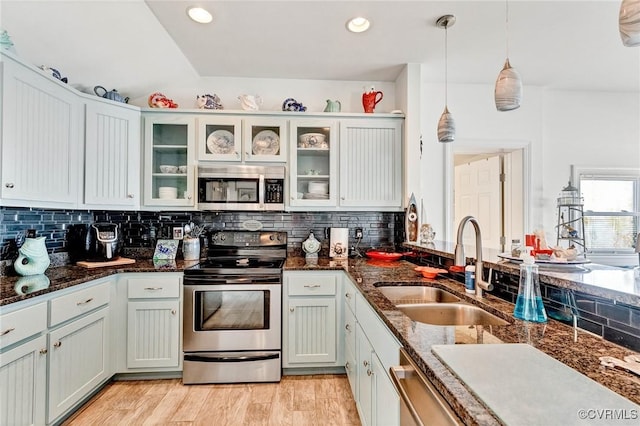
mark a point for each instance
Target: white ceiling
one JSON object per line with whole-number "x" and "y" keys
{"x": 139, "y": 46}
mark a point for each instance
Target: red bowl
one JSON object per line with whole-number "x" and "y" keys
{"x": 429, "y": 272}
{"x": 383, "y": 255}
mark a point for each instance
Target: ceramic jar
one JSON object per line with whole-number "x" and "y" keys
{"x": 191, "y": 248}
{"x": 33, "y": 258}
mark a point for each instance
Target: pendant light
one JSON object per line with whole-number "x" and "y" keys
{"x": 446, "y": 124}
{"x": 508, "y": 92}
{"x": 629, "y": 22}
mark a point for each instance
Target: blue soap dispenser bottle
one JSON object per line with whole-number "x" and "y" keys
{"x": 529, "y": 305}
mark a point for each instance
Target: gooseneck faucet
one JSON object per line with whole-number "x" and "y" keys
{"x": 460, "y": 259}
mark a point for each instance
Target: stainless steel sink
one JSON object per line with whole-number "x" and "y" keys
{"x": 450, "y": 314}
{"x": 401, "y": 295}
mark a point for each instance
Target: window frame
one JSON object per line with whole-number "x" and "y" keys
{"x": 612, "y": 174}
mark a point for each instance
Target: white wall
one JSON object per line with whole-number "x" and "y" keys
{"x": 477, "y": 123}
{"x": 312, "y": 93}
{"x": 593, "y": 129}
{"x": 562, "y": 127}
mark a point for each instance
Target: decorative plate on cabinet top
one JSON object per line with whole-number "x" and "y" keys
{"x": 220, "y": 142}
{"x": 266, "y": 142}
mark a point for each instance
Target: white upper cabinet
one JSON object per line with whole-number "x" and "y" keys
{"x": 371, "y": 163}
{"x": 229, "y": 138}
{"x": 41, "y": 139}
{"x": 313, "y": 171}
{"x": 169, "y": 160}
{"x": 265, "y": 139}
{"x": 112, "y": 155}
{"x": 220, "y": 138}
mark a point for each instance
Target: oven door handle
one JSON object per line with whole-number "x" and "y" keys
{"x": 201, "y": 358}
{"x": 237, "y": 280}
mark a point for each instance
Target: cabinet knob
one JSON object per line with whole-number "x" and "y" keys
{"x": 347, "y": 327}
{"x": 237, "y": 153}
{"x": 342, "y": 198}
{"x": 347, "y": 295}
{"x": 173, "y": 312}
{"x": 292, "y": 309}
{"x": 369, "y": 372}
{"x": 57, "y": 344}
{"x": 43, "y": 351}
{"x": 247, "y": 154}
{"x": 292, "y": 198}
{"x": 8, "y": 185}
{"x": 347, "y": 365}
{"x": 365, "y": 363}
{"x": 188, "y": 197}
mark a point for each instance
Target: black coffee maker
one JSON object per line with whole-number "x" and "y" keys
{"x": 97, "y": 242}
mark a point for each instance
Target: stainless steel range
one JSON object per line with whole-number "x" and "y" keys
{"x": 233, "y": 310}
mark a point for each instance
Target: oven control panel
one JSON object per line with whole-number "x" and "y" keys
{"x": 248, "y": 238}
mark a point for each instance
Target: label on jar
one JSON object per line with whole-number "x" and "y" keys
{"x": 470, "y": 279}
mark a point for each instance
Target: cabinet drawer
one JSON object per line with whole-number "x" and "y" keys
{"x": 153, "y": 288}
{"x": 79, "y": 302}
{"x": 383, "y": 341}
{"x": 350, "y": 295}
{"x": 350, "y": 330}
{"x": 312, "y": 285}
{"x": 19, "y": 325}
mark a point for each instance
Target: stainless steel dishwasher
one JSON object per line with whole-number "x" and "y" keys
{"x": 420, "y": 403}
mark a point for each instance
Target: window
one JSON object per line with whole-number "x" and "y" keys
{"x": 611, "y": 210}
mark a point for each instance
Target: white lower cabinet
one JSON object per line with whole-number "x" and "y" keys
{"x": 312, "y": 336}
{"x": 78, "y": 361}
{"x": 370, "y": 350}
{"x": 153, "y": 331}
{"x": 23, "y": 379}
{"x": 154, "y": 322}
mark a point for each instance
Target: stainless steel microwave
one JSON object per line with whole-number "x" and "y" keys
{"x": 240, "y": 187}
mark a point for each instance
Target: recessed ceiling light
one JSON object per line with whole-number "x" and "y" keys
{"x": 358, "y": 25}
{"x": 199, "y": 15}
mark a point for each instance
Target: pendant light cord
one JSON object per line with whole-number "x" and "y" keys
{"x": 446, "y": 81}
{"x": 507, "y": 25}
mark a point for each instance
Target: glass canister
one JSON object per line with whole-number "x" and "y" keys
{"x": 529, "y": 305}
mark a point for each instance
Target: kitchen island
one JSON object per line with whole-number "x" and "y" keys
{"x": 553, "y": 338}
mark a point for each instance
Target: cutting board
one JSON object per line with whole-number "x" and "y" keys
{"x": 524, "y": 386}
{"x": 115, "y": 262}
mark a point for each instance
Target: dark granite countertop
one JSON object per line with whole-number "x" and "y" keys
{"x": 553, "y": 338}
{"x": 608, "y": 282}
{"x": 16, "y": 289}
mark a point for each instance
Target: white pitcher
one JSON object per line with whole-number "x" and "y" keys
{"x": 250, "y": 102}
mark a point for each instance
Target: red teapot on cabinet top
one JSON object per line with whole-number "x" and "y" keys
{"x": 370, "y": 99}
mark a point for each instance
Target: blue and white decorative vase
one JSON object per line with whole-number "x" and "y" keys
{"x": 33, "y": 258}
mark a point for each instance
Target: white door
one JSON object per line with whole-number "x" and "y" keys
{"x": 478, "y": 193}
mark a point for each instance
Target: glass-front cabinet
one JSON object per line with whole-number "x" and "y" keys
{"x": 169, "y": 161}
{"x": 313, "y": 165}
{"x": 265, "y": 139}
{"x": 248, "y": 139}
{"x": 220, "y": 138}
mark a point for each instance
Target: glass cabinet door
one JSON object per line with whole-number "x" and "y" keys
{"x": 265, "y": 139}
{"x": 313, "y": 163}
{"x": 169, "y": 174}
{"x": 219, "y": 139}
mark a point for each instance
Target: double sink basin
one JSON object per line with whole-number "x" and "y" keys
{"x": 435, "y": 306}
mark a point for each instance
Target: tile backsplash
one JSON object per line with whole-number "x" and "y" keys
{"x": 380, "y": 230}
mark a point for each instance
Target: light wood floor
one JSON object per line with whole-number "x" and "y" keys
{"x": 296, "y": 400}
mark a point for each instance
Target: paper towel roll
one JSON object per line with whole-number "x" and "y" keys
{"x": 339, "y": 242}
